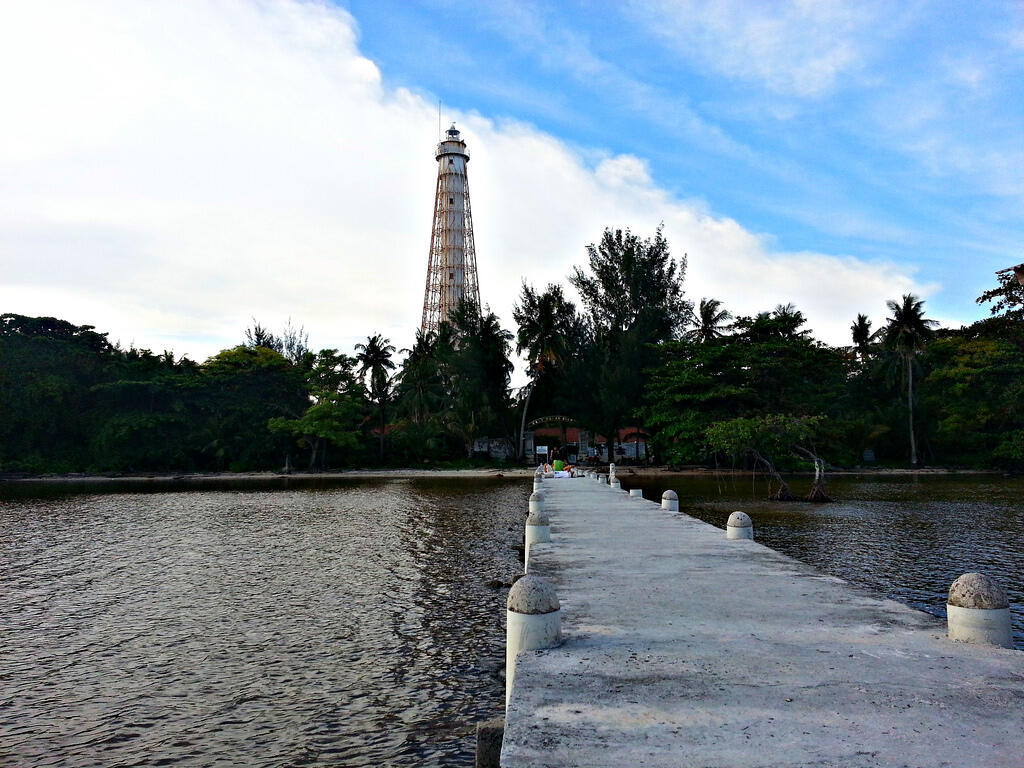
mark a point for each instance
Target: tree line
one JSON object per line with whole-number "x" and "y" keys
{"x": 707, "y": 387}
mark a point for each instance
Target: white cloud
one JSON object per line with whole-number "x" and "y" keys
{"x": 793, "y": 47}
{"x": 169, "y": 170}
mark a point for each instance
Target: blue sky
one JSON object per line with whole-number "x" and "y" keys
{"x": 879, "y": 130}
{"x": 170, "y": 171}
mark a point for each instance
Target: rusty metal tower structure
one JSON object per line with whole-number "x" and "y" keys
{"x": 451, "y": 268}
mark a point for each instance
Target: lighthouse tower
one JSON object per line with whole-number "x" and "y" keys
{"x": 451, "y": 268}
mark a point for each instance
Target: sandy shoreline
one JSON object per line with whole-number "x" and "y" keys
{"x": 303, "y": 478}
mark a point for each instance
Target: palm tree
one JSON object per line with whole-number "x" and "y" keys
{"x": 374, "y": 357}
{"x": 711, "y": 321}
{"x": 420, "y": 387}
{"x": 493, "y": 346}
{"x": 782, "y": 323}
{"x": 906, "y": 334}
{"x": 478, "y": 371}
{"x": 788, "y": 318}
{"x": 547, "y": 325}
{"x": 862, "y": 336}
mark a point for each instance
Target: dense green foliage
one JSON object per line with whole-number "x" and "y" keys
{"x": 899, "y": 395}
{"x": 71, "y": 401}
{"x": 768, "y": 365}
{"x": 765, "y": 440}
{"x": 632, "y": 299}
{"x": 454, "y": 388}
{"x": 709, "y": 388}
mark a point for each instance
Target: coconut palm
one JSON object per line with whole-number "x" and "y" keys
{"x": 420, "y": 391}
{"x": 493, "y": 345}
{"x": 711, "y": 321}
{"x": 545, "y": 325}
{"x": 783, "y": 323}
{"x": 374, "y": 358}
{"x": 862, "y": 336}
{"x": 906, "y": 334}
{"x": 788, "y": 319}
{"x": 479, "y": 370}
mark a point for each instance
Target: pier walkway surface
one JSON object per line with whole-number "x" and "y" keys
{"x": 682, "y": 648}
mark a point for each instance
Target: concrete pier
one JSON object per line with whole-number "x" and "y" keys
{"x": 683, "y": 648}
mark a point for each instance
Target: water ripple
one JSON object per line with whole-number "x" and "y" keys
{"x": 349, "y": 627}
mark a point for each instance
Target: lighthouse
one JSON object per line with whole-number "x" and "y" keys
{"x": 451, "y": 266}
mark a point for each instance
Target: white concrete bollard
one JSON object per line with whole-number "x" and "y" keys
{"x": 636, "y": 492}
{"x": 614, "y": 483}
{"x": 978, "y": 612}
{"x": 602, "y": 479}
{"x": 670, "y": 501}
{"x": 538, "y": 530}
{"x": 739, "y": 526}
{"x": 533, "y": 620}
{"x": 536, "y": 502}
{"x": 537, "y": 484}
